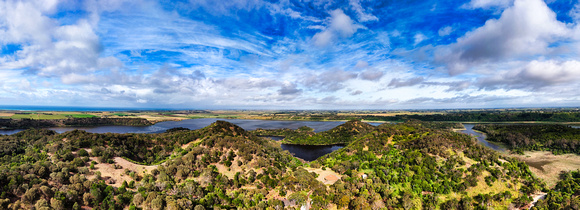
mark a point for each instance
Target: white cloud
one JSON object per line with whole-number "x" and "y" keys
{"x": 419, "y": 37}
{"x": 360, "y": 11}
{"x": 340, "y": 26}
{"x": 535, "y": 75}
{"x": 328, "y": 81}
{"x": 323, "y": 38}
{"x": 526, "y": 29}
{"x": 289, "y": 88}
{"x": 49, "y": 49}
{"x": 397, "y": 83}
{"x": 574, "y": 13}
{"x": 25, "y": 22}
{"x": 445, "y": 31}
{"x": 486, "y": 4}
{"x": 369, "y": 73}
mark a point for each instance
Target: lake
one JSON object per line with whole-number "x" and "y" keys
{"x": 481, "y": 138}
{"x": 307, "y": 153}
{"x": 310, "y": 152}
{"x": 9, "y": 132}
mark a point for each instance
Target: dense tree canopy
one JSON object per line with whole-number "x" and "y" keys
{"x": 522, "y": 137}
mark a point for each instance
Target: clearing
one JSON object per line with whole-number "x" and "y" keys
{"x": 548, "y": 166}
{"x": 119, "y": 174}
{"x": 322, "y": 174}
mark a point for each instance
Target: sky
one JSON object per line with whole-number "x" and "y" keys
{"x": 290, "y": 54}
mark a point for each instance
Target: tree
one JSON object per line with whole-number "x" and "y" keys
{"x": 344, "y": 201}
{"x": 30, "y": 196}
{"x": 83, "y": 153}
{"x": 56, "y": 204}
{"x": 42, "y": 205}
{"x": 76, "y": 206}
{"x": 137, "y": 199}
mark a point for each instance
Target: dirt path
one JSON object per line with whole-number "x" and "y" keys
{"x": 537, "y": 197}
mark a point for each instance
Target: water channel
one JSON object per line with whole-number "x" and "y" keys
{"x": 481, "y": 138}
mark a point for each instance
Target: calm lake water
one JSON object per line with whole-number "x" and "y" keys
{"x": 309, "y": 152}
{"x": 306, "y": 152}
{"x": 9, "y": 132}
{"x": 481, "y": 138}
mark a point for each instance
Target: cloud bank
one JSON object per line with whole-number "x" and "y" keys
{"x": 287, "y": 55}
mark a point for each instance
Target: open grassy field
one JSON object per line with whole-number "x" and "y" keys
{"x": 81, "y": 115}
{"x": 38, "y": 116}
{"x": 548, "y": 166}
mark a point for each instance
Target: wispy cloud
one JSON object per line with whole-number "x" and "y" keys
{"x": 288, "y": 54}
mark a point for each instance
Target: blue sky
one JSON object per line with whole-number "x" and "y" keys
{"x": 311, "y": 54}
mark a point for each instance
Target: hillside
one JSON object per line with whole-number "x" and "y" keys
{"x": 412, "y": 166}
{"x": 222, "y": 166}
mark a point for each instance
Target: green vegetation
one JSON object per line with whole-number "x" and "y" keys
{"x": 38, "y": 116}
{"x": 524, "y": 137}
{"x": 87, "y": 121}
{"x": 491, "y": 115}
{"x": 566, "y": 194}
{"x": 412, "y": 165}
{"x": 121, "y": 114}
{"x": 341, "y": 134}
{"x": 81, "y": 115}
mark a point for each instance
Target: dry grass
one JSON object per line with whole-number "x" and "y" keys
{"x": 155, "y": 119}
{"x": 231, "y": 171}
{"x": 323, "y": 173}
{"x": 118, "y": 174}
{"x": 191, "y": 142}
{"x": 548, "y": 166}
{"x": 483, "y": 188}
{"x": 4, "y": 114}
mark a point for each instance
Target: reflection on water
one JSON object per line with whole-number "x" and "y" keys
{"x": 481, "y": 138}
{"x": 310, "y": 152}
{"x": 9, "y": 132}
{"x": 575, "y": 126}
